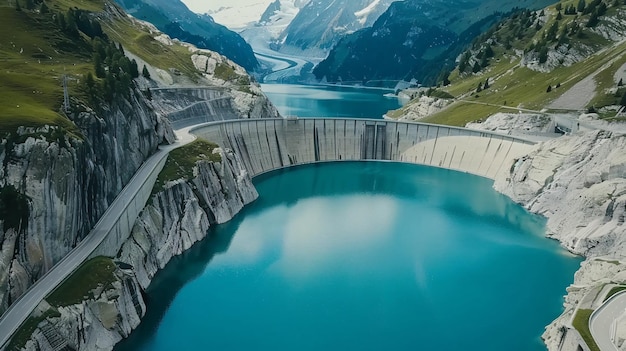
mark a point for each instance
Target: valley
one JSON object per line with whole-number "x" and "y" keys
{"x": 96, "y": 105}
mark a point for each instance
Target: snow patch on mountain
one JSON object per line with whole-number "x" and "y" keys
{"x": 237, "y": 17}
{"x": 363, "y": 14}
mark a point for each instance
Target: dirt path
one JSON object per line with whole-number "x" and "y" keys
{"x": 580, "y": 95}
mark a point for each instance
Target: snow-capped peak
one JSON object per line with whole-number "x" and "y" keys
{"x": 362, "y": 14}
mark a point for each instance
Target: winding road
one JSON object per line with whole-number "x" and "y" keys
{"x": 19, "y": 311}
{"x": 602, "y": 323}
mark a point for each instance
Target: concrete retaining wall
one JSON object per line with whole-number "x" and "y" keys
{"x": 266, "y": 145}
{"x": 118, "y": 225}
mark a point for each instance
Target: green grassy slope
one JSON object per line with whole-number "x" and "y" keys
{"x": 512, "y": 86}
{"x": 35, "y": 54}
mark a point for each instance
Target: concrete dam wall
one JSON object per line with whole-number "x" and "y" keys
{"x": 270, "y": 144}
{"x": 189, "y": 106}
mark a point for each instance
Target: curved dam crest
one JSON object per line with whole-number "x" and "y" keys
{"x": 268, "y": 144}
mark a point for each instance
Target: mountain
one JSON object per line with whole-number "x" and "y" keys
{"x": 414, "y": 39}
{"x": 271, "y": 10}
{"x": 245, "y": 15}
{"x": 320, "y": 23}
{"x": 276, "y": 18}
{"x": 556, "y": 60}
{"x": 175, "y": 19}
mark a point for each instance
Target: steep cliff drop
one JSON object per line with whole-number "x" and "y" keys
{"x": 579, "y": 183}
{"x": 179, "y": 215}
{"x": 56, "y": 185}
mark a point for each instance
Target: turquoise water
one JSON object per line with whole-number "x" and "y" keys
{"x": 324, "y": 101}
{"x": 363, "y": 256}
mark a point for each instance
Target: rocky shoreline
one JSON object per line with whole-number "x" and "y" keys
{"x": 177, "y": 217}
{"x": 578, "y": 182}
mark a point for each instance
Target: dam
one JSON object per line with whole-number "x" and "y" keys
{"x": 269, "y": 144}
{"x": 365, "y": 255}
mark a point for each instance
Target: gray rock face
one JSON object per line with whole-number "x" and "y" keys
{"x": 67, "y": 182}
{"x": 178, "y": 216}
{"x": 320, "y": 24}
{"x": 208, "y": 104}
{"x": 579, "y": 183}
{"x": 181, "y": 214}
{"x": 95, "y": 324}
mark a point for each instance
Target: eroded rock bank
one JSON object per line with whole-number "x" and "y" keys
{"x": 578, "y": 183}
{"x": 177, "y": 216}
{"x": 56, "y": 184}
{"x": 181, "y": 215}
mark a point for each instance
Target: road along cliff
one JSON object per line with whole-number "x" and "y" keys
{"x": 179, "y": 214}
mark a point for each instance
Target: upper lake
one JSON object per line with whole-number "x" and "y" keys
{"x": 293, "y": 100}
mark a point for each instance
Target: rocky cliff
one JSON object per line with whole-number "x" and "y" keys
{"x": 181, "y": 214}
{"x": 319, "y": 24}
{"x": 227, "y": 92}
{"x": 110, "y": 315}
{"x": 178, "y": 216}
{"x": 413, "y": 39}
{"x": 55, "y": 185}
{"x": 175, "y": 19}
{"x": 579, "y": 183}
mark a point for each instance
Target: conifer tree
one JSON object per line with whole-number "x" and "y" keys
{"x": 145, "y": 72}
{"x": 623, "y": 101}
{"x": 18, "y": 7}
{"x": 543, "y": 54}
{"x": 620, "y": 83}
{"x": 593, "y": 20}
{"x": 581, "y": 6}
{"x": 134, "y": 70}
{"x": 98, "y": 65}
{"x": 549, "y": 89}
{"x": 476, "y": 67}
{"x": 489, "y": 51}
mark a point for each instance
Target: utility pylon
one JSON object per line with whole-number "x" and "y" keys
{"x": 66, "y": 95}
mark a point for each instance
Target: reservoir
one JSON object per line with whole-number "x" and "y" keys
{"x": 363, "y": 256}
{"x": 329, "y": 101}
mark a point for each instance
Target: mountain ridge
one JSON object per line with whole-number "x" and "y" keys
{"x": 409, "y": 35}
{"x": 176, "y": 20}
{"x": 537, "y": 60}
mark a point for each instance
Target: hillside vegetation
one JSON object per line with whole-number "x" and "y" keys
{"x": 84, "y": 41}
{"x": 176, "y": 20}
{"x": 529, "y": 60}
{"x": 414, "y": 39}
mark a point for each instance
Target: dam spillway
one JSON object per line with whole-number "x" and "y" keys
{"x": 268, "y": 144}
